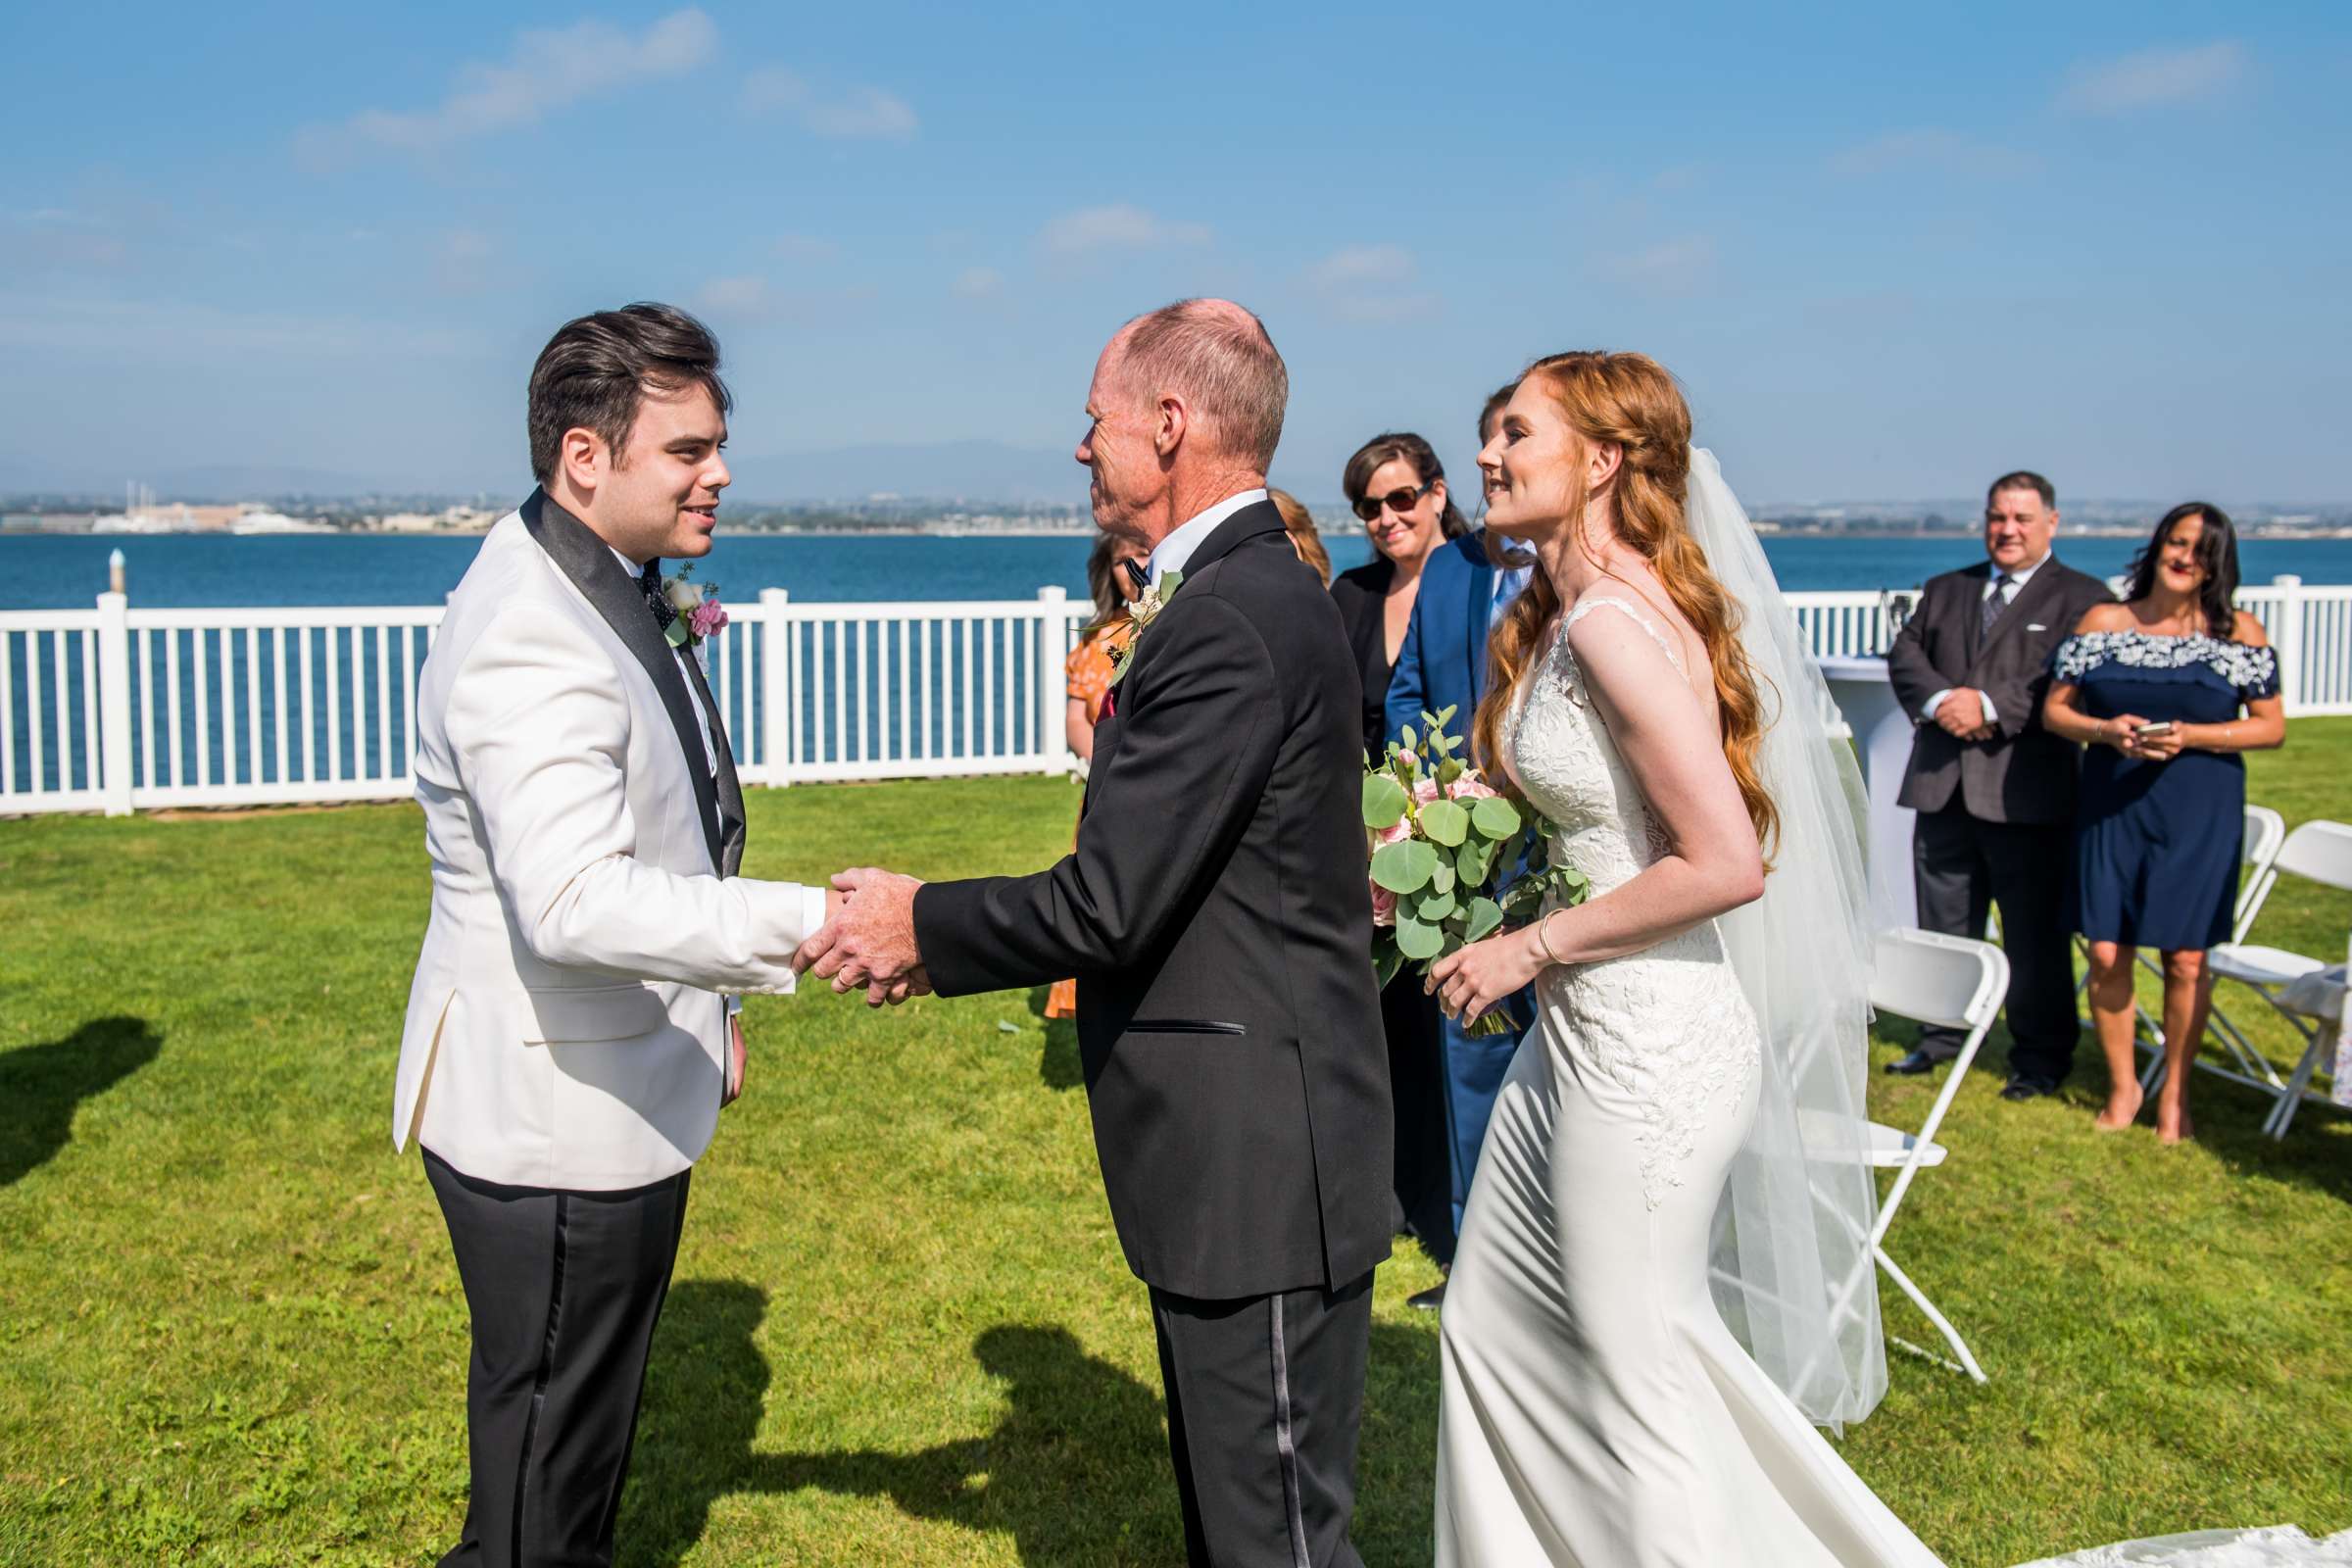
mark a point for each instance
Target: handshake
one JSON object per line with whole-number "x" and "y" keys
{"x": 868, "y": 938}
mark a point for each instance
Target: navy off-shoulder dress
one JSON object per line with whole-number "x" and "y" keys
{"x": 2158, "y": 845}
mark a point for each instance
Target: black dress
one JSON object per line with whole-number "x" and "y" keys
{"x": 1362, "y": 594}
{"x": 1424, "y": 1179}
{"x": 2158, "y": 845}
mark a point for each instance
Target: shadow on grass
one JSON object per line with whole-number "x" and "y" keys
{"x": 42, "y": 1085}
{"x": 1075, "y": 1470}
{"x": 1057, "y": 1068}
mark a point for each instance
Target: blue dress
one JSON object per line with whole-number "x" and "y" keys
{"x": 2158, "y": 845}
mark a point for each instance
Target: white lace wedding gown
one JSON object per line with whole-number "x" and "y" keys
{"x": 1595, "y": 1411}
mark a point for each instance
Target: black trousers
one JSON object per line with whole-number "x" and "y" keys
{"x": 1962, "y": 864}
{"x": 1266, "y": 1395}
{"x": 1423, "y": 1182}
{"x": 564, "y": 1289}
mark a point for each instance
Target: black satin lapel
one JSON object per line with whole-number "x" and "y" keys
{"x": 593, "y": 570}
{"x": 730, "y": 787}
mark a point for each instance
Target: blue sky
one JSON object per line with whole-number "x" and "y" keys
{"x": 1890, "y": 250}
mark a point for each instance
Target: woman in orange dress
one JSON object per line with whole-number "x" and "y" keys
{"x": 1089, "y": 667}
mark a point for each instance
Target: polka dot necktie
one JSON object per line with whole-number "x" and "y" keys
{"x": 648, "y": 583}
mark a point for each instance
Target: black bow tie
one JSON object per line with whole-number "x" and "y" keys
{"x": 648, "y": 583}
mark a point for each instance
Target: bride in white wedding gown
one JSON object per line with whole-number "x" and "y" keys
{"x": 1679, "y": 1137}
{"x": 1597, "y": 1412}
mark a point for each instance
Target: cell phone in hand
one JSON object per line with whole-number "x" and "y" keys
{"x": 2162, "y": 726}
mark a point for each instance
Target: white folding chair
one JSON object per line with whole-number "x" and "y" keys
{"x": 1959, "y": 984}
{"x": 2266, "y": 833}
{"x": 2319, "y": 851}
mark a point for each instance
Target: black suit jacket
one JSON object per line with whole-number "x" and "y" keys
{"x": 2023, "y": 773}
{"x": 1216, "y": 915}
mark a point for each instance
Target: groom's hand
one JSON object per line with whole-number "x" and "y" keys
{"x": 871, "y": 942}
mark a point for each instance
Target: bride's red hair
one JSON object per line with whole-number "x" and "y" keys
{"x": 1631, "y": 401}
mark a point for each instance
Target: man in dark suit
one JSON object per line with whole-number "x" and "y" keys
{"x": 1443, "y": 663}
{"x": 1995, "y": 791}
{"x": 1216, "y": 914}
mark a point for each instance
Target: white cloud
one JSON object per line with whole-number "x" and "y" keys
{"x": 1674, "y": 267}
{"x": 854, "y": 113}
{"x": 1929, "y": 149}
{"x": 733, "y": 296}
{"x": 1118, "y": 227}
{"x": 2154, "y": 78}
{"x": 171, "y": 330}
{"x": 977, "y": 283}
{"x": 464, "y": 261}
{"x": 807, "y": 248}
{"x": 1356, "y": 266}
{"x": 547, "y": 71}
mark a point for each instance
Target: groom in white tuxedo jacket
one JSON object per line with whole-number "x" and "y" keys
{"x": 571, "y": 1032}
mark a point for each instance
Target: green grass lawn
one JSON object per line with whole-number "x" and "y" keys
{"x": 230, "y": 1330}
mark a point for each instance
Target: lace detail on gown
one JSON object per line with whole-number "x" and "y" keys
{"x": 1669, "y": 1025}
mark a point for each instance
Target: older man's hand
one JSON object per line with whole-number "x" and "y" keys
{"x": 870, "y": 943}
{"x": 1961, "y": 713}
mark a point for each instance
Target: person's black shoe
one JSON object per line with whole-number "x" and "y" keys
{"x": 2028, "y": 1088}
{"x": 1919, "y": 1061}
{"x": 1428, "y": 1300}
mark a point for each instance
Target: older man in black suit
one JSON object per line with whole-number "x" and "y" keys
{"x": 1995, "y": 791}
{"x": 1215, "y": 913}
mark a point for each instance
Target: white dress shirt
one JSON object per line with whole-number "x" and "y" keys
{"x": 1185, "y": 538}
{"x": 1992, "y": 585}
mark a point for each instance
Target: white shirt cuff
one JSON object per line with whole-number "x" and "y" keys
{"x": 812, "y": 910}
{"x": 1990, "y": 717}
{"x": 1928, "y": 709}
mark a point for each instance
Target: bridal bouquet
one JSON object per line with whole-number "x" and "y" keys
{"x": 1442, "y": 840}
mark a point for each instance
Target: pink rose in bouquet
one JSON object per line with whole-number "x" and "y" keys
{"x": 1470, "y": 787}
{"x": 1384, "y": 906}
{"x": 707, "y": 619}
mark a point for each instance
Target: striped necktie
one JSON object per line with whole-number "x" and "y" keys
{"x": 1996, "y": 600}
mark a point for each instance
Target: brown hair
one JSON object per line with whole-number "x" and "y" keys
{"x": 1390, "y": 446}
{"x": 2023, "y": 479}
{"x": 594, "y": 373}
{"x": 1305, "y": 537}
{"x": 1629, "y": 401}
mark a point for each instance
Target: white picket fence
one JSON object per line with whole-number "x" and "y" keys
{"x": 118, "y": 709}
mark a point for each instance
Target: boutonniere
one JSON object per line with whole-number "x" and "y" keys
{"x": 697, "y": 611}
{"x": 1140, "y": 617}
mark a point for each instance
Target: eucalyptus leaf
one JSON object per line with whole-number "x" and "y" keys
{"x": 1432, "y": 907}
{"x": 1412, "y": 743}
{"x": 1404, "y": 867}
{"x": 1442, "y": 879}
{"x": 1444, "y": 823}
{"x": 1383, "y": 801}
{"x": 1446, "y": 714}
{"x": 1486, "y": 916}
{"x": 1497, "y": 817}
{"x": 1385, "y": 963}
{"x": 1417, "y": 941}
{"x": 1452, "y": 770}
{"x": 1471, "y": 863}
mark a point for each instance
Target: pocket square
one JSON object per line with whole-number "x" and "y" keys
{"x": 2035, "y": 626}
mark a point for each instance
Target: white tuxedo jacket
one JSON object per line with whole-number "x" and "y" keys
{"x": 567, "y": 1027}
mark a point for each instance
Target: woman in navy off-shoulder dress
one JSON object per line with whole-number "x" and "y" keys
{"x": 2156, "y": 685}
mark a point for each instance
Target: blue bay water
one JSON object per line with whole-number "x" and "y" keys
{"x": 193, "y": 570}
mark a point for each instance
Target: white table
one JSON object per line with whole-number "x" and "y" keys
{"x": 1865, "y": 696}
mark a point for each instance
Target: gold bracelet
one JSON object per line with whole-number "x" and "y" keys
{"x": 1544, "y": 938}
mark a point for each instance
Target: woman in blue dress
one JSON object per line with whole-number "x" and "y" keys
{"x": 2166, "y": 688}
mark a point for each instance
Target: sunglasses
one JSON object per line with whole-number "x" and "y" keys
{"x": 1397, "y": 501}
